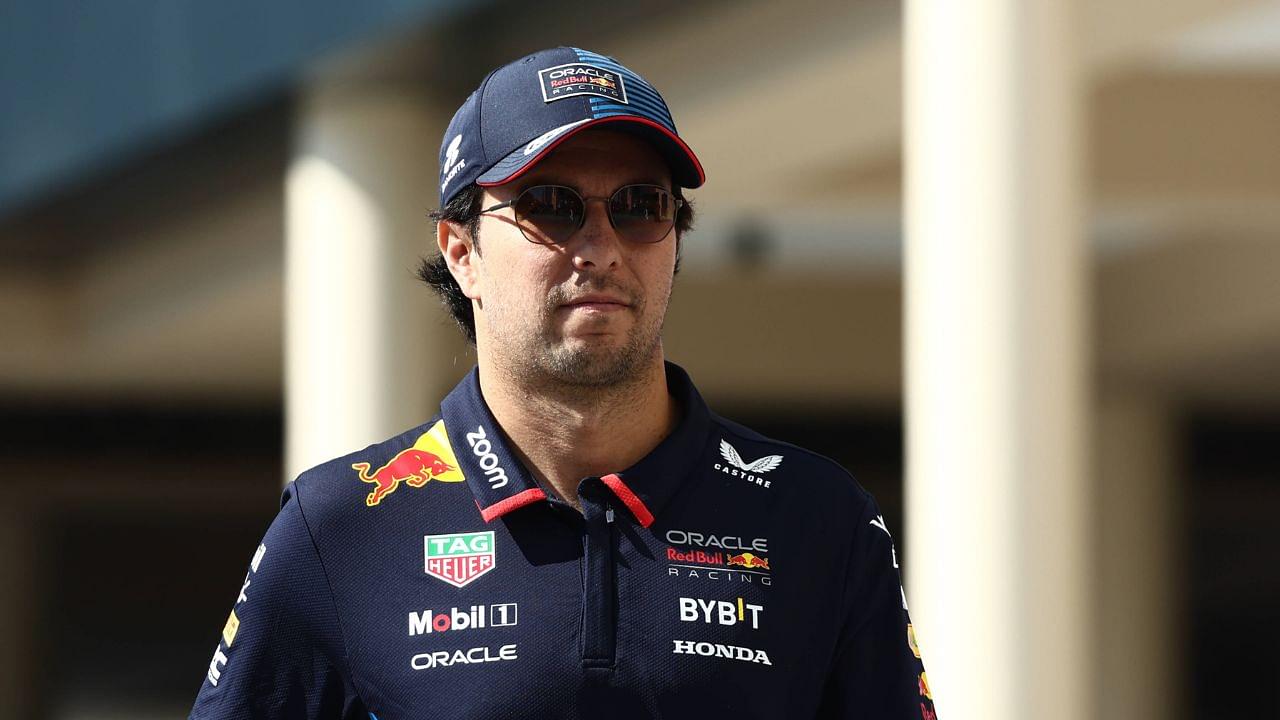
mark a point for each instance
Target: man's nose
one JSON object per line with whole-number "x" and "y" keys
{"x": 596, "y": 244}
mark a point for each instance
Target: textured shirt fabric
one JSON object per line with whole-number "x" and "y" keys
{"x": 430, "y": 576}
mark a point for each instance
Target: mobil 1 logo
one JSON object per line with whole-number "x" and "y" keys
{"x": 475, "y": 617}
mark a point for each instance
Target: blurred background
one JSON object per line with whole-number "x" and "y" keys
{"x": 210, "y": 214}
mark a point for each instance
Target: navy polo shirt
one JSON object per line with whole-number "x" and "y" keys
{"x": 430, "y": 576}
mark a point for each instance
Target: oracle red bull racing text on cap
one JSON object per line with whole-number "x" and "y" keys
{"x": 430, "y": 575}
{"x": 524, "y": 109}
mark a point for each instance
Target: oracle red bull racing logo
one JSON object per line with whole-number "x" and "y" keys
{"x": 750, "y": 561}
{"x": 564, "y": 81}
{"x": 430, "y": 458}
{"x": 718, "y": 557}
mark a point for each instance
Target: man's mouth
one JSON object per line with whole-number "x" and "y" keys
{"x": 600, "y": 302}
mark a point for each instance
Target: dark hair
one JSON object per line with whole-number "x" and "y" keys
{"x": 464, "y": 209}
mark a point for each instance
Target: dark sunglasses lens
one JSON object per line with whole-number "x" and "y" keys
{"x": 548, "y": 214}
{"x": 643, "y": 213}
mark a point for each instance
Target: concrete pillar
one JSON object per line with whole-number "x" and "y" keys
{"x": 997, "y": 497}
{"x": 366, "y": 344}
{"x": 1139, "y": 670}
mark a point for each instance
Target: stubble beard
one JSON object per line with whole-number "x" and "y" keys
{"x": 544, "y": 361}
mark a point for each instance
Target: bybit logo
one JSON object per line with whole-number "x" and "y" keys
{"x": 722, "y": 612}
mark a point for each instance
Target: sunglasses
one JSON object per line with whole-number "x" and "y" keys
{"x": 551, "y": 214}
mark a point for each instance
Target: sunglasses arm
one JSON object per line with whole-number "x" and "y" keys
{"x": 499, "y": 206}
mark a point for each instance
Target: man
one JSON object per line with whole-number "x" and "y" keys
{"x": 575, "y": 534}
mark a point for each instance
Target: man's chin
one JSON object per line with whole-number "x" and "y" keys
{"x": 592, "y": 341}
{"x": 593, "y": 335}
{"x": 594, "y": 360}
{"x": 593, "y": 326}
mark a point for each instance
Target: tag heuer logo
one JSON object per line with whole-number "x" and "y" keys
{"x": 459, "y": 558}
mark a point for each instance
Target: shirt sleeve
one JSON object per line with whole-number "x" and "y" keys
{"x": 281, "y": 653}
{"x": 877, "y": 672}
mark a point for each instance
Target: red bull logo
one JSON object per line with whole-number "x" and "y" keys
{"x": 602, "y": 82}
{"x": 412, "y": 466}
{"x": 749, "y": 560}
{"x": 695, "y": 556}
{"x": 430, "y": 458}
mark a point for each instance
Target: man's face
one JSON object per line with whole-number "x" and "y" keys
{"x": 588, "y": 312}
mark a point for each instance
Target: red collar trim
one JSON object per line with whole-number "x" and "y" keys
{"x": 519, "y": 500}
{"x": 630, "y": 499}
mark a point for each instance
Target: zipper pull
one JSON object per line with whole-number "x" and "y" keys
{"x": 608, "y": 514}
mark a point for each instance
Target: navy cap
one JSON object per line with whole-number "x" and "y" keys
{"x": 523, "y": 110}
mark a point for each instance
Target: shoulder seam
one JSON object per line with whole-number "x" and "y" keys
{"x": 727, "y": 429}
{"x": 342, "y": 631}
{"x": 339, "y": 462}
{"x": 845, "y": 600}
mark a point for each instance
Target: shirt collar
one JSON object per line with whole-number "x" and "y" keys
{"x": 501, "y": 483}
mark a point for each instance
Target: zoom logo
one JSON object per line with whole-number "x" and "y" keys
{"x": 483, "y": 450}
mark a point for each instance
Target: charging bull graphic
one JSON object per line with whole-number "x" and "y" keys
{"x": 430, "y": 458}
{"x": 749, "y": 560}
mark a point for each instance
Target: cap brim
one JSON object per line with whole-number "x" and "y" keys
{"x": 686, "y": 171}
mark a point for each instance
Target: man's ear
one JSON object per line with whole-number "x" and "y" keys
{"x": 458, "y": 251}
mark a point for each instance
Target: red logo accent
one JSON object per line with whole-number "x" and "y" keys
{"x": 415, "y": 467}
{"x": 695, "y": 556}
{"x": 748, "y": 560}
{"x": 459, "y": 571}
